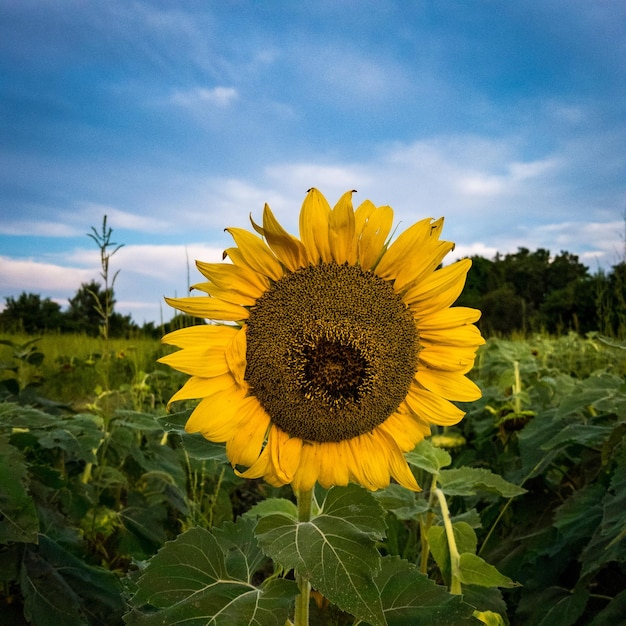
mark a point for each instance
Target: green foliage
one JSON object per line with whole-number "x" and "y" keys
{"x": 199, "y": 580}
{"x": 29, "y": 313}
{"x": 532, "y": 291}
{"x": 111, "y": 513}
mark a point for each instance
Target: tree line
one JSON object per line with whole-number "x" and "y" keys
{"x": 532, "y": 292}
{"x": 520, "y": 292}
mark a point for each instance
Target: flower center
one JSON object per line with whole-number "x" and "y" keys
{"x": 333, "y": 371}
{"x": 331, "y": 352}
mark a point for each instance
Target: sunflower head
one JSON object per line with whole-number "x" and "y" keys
{"x": 330, "y": 355}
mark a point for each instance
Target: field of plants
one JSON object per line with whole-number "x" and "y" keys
{"x": 111, "y": 514}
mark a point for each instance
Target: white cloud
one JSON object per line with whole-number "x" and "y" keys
{"x": 93, "y": 213}
{"x": 200, "y": 97}
{"x": 17, "y": 275}
{"x": 37, "y": 228}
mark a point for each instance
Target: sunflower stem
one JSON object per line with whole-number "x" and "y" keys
{"x": 304, "y": 499}
{"x": 455, "y": 558}
{"x": 426, "y": 521}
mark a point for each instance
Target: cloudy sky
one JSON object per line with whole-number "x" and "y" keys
{"x": 177, "y": 119}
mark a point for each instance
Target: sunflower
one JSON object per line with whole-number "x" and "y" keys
{"x": 329, "y": 356}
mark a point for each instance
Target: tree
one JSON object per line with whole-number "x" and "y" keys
{"x": 83, "y": 315}
{"x": 30, "y": 314}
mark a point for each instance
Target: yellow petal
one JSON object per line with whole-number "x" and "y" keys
{"x": 372, "y": 229}
{"x": 439, "y": 290}
{"x": 285, "y": 454}
{"x": 234, "y": 254}
{"x": 404, "y": 429}
{"x": 290, "y": 251}
{"x": 226, "y": 295}
{"x": 245, "y": 447}
{"x": 421, "y": 264}
{"x": 261, "y": 468}
{"x": 371, "y": 461}
{"x": 341, "y": 229}
{"x": 314, "y": 225}
{"x": 432, "y": 408}
{"x": 209, "y": 308}
{"x": 202, "y": 361}
{"x": 206, "y": 334}
{"x": 333, "y": 464}
{"x": 407, "y": 242}
{"x": 450, "y": 385}
{"x": 307, "y": 473}
{"x": 217, "y": 417}
{"x": 449, "y": 318}
{"x": 467, "y": 335}
{"x": 256, "y": 253}
{"x": 239, "y": 278}
{"x": 449, "y": 358}
{"x": 235, "y": 354}
{"x": 398, "y": 467}
{"x": 416, "y": 252}
{"x": 197, "y": 387}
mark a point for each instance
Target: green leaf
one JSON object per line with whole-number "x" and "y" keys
{"x": 18, "y": 515}
{"x": 356, "y": 505}
{"x": 147, "y": 524}
{"x": 201, "y": 449}
{"x": 485, "y": 599}
{"x": 476, "y": 571}
{"x": 196, "y": 446}
{"x": 336, "y": 550}
{"x": 582, "y": 434}
{"x": 612, "y": 613}
{"x": 401, "y": 502}
{"x": 579, "y": 516}
{"x": 242, "y": 553}
{"x": 272, "y": 506}
{"x": 410, "y": 597}
{"x": 608, "y": 541}
{"x": 598, "y": 390}
{"x": 16, "y": 416}
{"x": 187, "y": 582}
{"x": 553, "y": 606}
{"x": 48, "y": 598}
{"x": 464, "y": 537}
{"x": 567, "y": 610}
{"x": 428, "y": 457}
{"x": 468, "y": 481}
{"x": 77, "y": 435}
{"x": 60, "y": 589}
{"x": 134, "y": 420}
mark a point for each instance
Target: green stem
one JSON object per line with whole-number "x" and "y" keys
{"x": 426, "y": 521}
{"x": 455, "y": 558}
{"x": 517, "y": 388}
{"x": 302, "y": 601}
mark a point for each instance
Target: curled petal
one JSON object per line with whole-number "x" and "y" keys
{"x": 256, "y": 253}
{"x": 209, "y": 308}
{"x": 287, "y": 248}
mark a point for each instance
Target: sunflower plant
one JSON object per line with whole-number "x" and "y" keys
{"x": 325, "y": 364}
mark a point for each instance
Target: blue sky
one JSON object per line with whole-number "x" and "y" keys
{"x": 177, "y": 119}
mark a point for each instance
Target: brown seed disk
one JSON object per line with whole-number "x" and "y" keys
{"x": 331, "y": 351}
